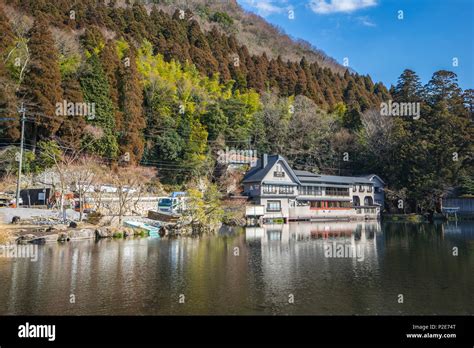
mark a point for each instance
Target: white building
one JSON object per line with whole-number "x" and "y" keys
{"x": 279, "y": 192}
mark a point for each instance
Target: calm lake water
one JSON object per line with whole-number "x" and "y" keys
{"x": 253, "y": 271}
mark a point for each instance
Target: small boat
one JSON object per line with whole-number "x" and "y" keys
{"x": 153, "y": 231}
{"x": 163, "y": 216}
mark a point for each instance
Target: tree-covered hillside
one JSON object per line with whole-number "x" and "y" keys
{"x": 132, "y": 82}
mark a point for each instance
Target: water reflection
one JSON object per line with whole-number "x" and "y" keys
{"x": 291, "y": 257}
{"x": 359, "y": 235}
{"x": 253, "y": 271}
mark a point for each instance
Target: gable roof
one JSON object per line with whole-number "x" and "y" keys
{"x": 371, "y": 176}
{"x": 308, "y": 177}
{"x": 257, "y": 174}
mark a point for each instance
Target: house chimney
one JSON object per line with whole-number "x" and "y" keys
{"x": 264, "y": 160}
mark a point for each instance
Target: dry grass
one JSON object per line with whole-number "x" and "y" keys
{"x": 5, "y": 234}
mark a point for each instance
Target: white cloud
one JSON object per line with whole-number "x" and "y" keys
{"x": 365, "y": 20}
{"x": 332, "y": 6}
{"x": 268, "y": 7}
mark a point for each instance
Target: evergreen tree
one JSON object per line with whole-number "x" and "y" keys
{"x": 408, "y": 88}
{"x": 95, "y": 88}
{"x": 215, "y": 121}
{"x": 131, "y": 99}
{"x": 443, "y": 87}
{"x": 110, "y": 62}
{"x": 72, "y": 128}
{"x": 9, "y": 130}
{"x": 43, "y": 82}
{"x": 7, "y": 37}
{"x": 469, "y": 101}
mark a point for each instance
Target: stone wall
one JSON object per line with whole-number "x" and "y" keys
{"x": 134, "y": 206}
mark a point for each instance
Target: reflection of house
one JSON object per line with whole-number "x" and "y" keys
{"x": 361, "y": 233}
{"x": 284, "y": 193}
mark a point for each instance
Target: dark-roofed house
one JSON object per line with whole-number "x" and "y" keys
{"x": 283, "y": 193}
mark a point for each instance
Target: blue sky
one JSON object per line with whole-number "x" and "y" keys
{"x": 368, "y": 32}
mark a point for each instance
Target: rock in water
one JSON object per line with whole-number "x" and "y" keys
{"x": 38, "y": 241}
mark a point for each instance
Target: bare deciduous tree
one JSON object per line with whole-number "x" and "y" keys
{"x": 81, "y": 176}
{"x": 376, "y": 129}
{"x": 129, "y": 182}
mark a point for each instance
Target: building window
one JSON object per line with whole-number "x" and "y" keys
{"x": 346, "y": 205}
{"x": 337, "y": 191}
{"x": 317, "y": 204}
{"x": 311, "y": 191}
{"x": 361, "y": 188}
{"x": 279, "y": 173}
{"x": 356, "y": 201}
{"x": 368, "y": 200}
{"x": 286, "y": 189}
{"x": 330, "y": 204}
{"x": 273, "y": 206}
{"x": 369, "y": 188}
{"x": 354, "y": 188}
{"x": 278, "y": 189}
{"x": 270, "y": 189}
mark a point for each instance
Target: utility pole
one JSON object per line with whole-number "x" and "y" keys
{"x": 22, "y": 111}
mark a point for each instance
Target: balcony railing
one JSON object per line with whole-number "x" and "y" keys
{"x": 282, "y": 190}
{"x": 337, "y": 193}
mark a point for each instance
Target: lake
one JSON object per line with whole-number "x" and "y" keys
{"x": 298, "y": 268}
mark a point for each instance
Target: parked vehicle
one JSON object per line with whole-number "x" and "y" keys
{"x": 4, "y": 201}
{"x": 87, "y": 206}
{"x": 13, "y": 203}
{"x": 174, "y": 204}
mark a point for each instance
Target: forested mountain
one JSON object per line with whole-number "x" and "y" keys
{"x": 170, "y": 84}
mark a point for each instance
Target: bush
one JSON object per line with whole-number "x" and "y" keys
{"x": 94, "y": 217}
{"x": 222, "y": 18}
{"x": 118, "y": 235}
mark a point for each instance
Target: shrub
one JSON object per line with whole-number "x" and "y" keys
{"x": 94, "y": 217}
{"x": 222, "y": 18}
